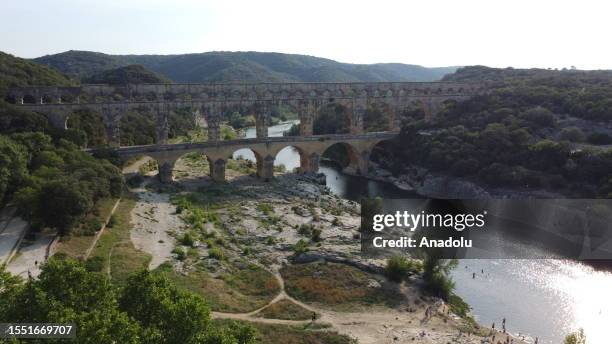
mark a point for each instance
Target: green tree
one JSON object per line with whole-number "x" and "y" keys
{"x": 66, "y": 293}
{"x": 63, "y": 202}
{"x": 168, "y": 313}
{"x": 13, "y": 165}
{"x": 436, "y": 274}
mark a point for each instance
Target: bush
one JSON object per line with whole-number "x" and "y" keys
{"x": 458, "y": 306}
{"x": 300, "y": 247}
{"x": 216, "y": 253}
{"x": 465, "y": 167}
{"x": 270, "y": 241}
{"x": 398, "y": 267}
{"x": 265, "y": 208}
{"x": 315, "y": 235}
{"x": 599, "y": 139}
{"x": 572, "y": 134}
{"x": 91, "y": 226}
{"x": 112, "y": 221}
{"x": 187, "y": 240}
{"x": 305, "y": 229}
{"x": 436, "y": 273}
{"x": 540, "y": 116}
{"x": 180, "y": 253}
{"x": 94, "y": 264}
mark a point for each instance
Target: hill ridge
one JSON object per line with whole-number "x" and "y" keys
{"x": 249, "y": 66}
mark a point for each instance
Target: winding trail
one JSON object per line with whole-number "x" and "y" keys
{"x": 282, "y": 295}
{"x": 388, "y": 326}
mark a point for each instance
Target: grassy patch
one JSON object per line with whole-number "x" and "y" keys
{"x": 77, "y": 244}
{"x": 238, "y": 290}
{"x": 283, "y": 334}
{"x": 242, "y": 166}
{"x": 338, "y": 286}
{"x": 285, "y": 310}
{"x": 115, "y": 246}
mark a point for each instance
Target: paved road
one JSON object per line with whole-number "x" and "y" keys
{"x": 11, "y": 230}
{"x": 32, "y": 255}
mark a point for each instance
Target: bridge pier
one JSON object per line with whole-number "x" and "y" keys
{"x": 265, "y": 168}
{"x": 431, "y": 107}
{"x": 394, "y": 121}
{"x": 58, "y": 120}
{"x": 357, "y": 114}
{"x": 360, "y": 165}
{"x": 309, "y": 163}
{"x": 261, "y": 124}
{"x": 112, "y": 132}
{"x": 162, "y": 126}
{"x": 217, "y": 170}
{"x": 213, "y": 129}
{"x": 165, "y": 168}
{"x": 306, "y": 115}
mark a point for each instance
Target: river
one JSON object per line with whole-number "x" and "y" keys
{"x": 541, "y": 298}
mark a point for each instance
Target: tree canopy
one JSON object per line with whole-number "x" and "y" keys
{"x": 149, "y": 309}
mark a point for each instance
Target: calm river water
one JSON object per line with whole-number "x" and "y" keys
{"x": 541, "y": 298}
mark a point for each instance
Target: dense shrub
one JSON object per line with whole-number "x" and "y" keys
{"x": 399, "y": 267}
{"x": 599, "y": 139}
{"x": 572, "y": 134}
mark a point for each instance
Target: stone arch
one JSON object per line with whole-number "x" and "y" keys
{"x": 57, "y": 119}
{"x": 246, "y": 161}
{"x": 146, "y": 165}
{"x": 137, "y": 126}
{"x": 91, "y": 122}
{"x": 334, "y": 117}
{"x": 381, "y": 155}
{"x": 29, "y": 99}
{"x": 346, "y": 156}
{"x": 284, "y": 110}
{"x": 448, "y": 103}
{"x": 411, "y": 110}
{"x": 291, "y": 161}
{"x": 196, "y": 161}
{"x": 379, "y": 116}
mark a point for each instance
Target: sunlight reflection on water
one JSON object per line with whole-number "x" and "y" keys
{"x": 544, "y": 298}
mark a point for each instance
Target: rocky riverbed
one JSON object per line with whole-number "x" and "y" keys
{"x": 292, "y": 221}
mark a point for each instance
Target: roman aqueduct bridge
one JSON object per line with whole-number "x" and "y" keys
{"x": 210, "y": 103}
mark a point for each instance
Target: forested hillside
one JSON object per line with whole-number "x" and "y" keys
{"x": 19, "y": 72}
{"x": 132, "y": 74}
{"x": 537, "y": 129}
{"x": 241, "y": 66}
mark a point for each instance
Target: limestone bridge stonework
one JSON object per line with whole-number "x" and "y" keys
{"x": 210, "y": 103}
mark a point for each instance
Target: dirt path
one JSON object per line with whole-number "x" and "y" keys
{"x": 373, "y": 327}
{"x": 30, "y": 257}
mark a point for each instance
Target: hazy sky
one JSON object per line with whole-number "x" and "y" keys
{"x": 519, "y": 33}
